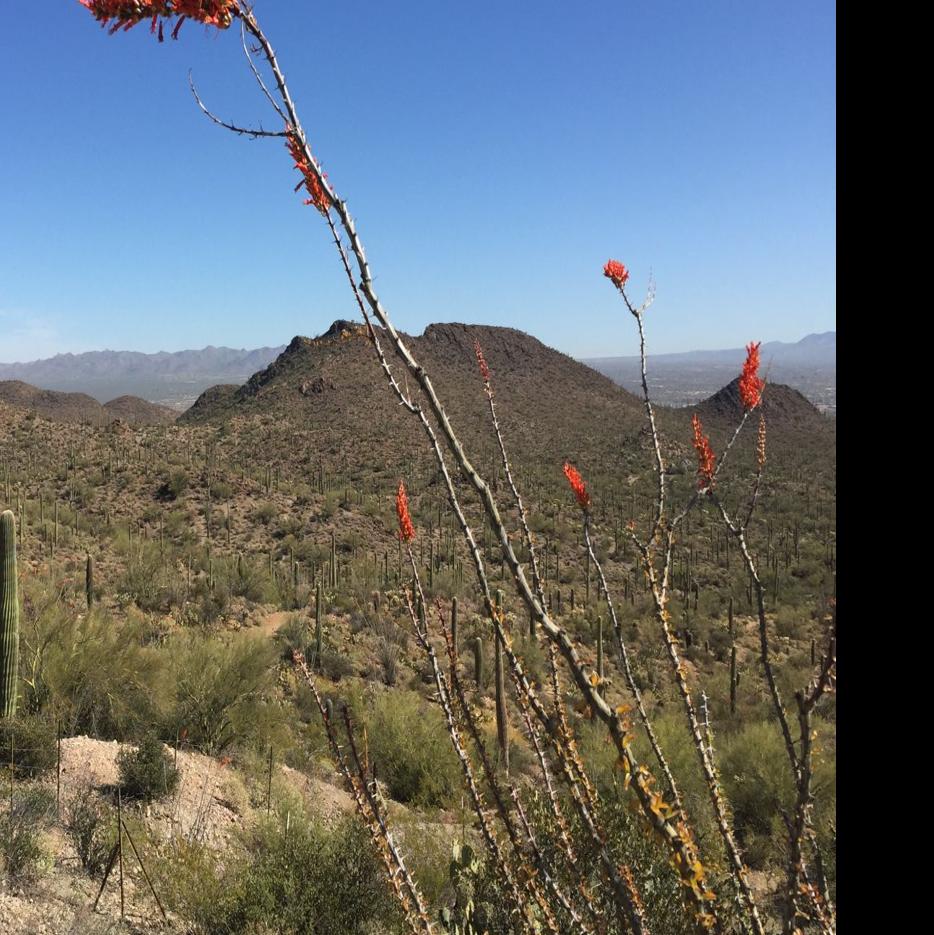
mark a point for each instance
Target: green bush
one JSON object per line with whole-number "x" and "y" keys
{"x": 20, "y": 833}
{"x": 220, "y": 689}
{"x": 94, "y": 672}
{"x": 412, "y": 750}
{"x": 757, "y": 780}
{"x": 146, "y": 772}
{"x": 90, "y": 829}
{"x": 34, "y": 745}
{"x": 174, "y": 486}
{"x": 293, "y": 879}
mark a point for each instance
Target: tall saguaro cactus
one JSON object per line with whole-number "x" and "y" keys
{"x": 9, "y": 615}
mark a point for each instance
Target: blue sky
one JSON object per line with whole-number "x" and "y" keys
{"x": 495, "y": 155}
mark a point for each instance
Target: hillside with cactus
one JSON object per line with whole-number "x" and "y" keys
{"x": 443, "y": 633}
{"x": 195, "y": 557}
{"x": 79, "y": 407}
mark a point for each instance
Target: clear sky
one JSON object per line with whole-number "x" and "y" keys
{"x": 494, "y": 154}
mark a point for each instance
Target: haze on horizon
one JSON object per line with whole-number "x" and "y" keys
{"x": 493, "y": 158}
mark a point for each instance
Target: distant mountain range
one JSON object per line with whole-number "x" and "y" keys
{"x": 173, "y": 379}
{"x": 808, "y": 365}
{"x": 177, "y": 379}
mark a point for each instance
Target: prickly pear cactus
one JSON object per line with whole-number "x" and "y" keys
{"x": 463, "y": 918}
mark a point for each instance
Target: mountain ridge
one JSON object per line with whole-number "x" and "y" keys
{"x": 58, "y": 406}
{"x": 330, "y": 391}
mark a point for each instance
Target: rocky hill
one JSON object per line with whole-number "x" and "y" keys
{"x": 174, "y": 377}
{"x": 782, "y": 407}
{"x": 79, "y": 407}
{"x": 332, "y": 387}
{"x": 331, "y": 391}
{"x": 138, "y": 411}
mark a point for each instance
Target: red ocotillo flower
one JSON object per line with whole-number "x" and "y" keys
{"x": 760, "y": 442}
{"x": 310, "y": 180}
{"x": 616, "y": 273}
{"x": 577, "y": 485}
{"x": 125, "y": 14}
{"x": 706, "y": 460}
{"x": 406, "y": 529}
{"x": 750, "y": 385}
{"x": 481, "y": 360}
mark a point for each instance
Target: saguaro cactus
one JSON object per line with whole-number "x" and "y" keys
{"x": 734, "y": 675}
{"x": 319, "y": 602}
{"x": 478, "y": 661}
{"x": 9, "y": 615}
{"x": 89, "y": 580}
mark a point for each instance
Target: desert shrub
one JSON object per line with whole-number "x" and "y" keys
{"x": 264, "y": 513}
{"x": 212, "y": 603}
{"x": 335, "y": 665}
{"x": 219, "y": 689}
{"x": 248, "y": 581}
{"x": 89, "y": 827}
{"x": 388, "y": 654}
{"x": 330, "y": 504}
{"x": 173, "y": 486}
{"x": 21, "y": 833}
{"x": 295, "y": 879}
{"x": 94, "y": 673}
{"x": 412, "y": 750}
{"x": 757, "y": 780}
{"x": 144, "y": 580}
{"x": 34, "y": 744}
{"x": 297, "y": 635}
{"x": 146, "y": 772}
{"x": 187, "y": 876}
{"x": 789, "y": 623}
{"x": 176, "y": 522}
{"x": 221, "y": 490}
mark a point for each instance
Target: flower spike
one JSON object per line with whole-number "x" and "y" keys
{"x": 406, "y": 528}
{"x": 706, "y": 460}
{"x": 125, "y": 14}
{"x": 577, "y": 485}
{"x": 760, "y": 442}
{"x": 616, "y": 273}
{"x": 750, "y": 384}
{"x": 481, "y": 361}
{"x": 310, "y": 180}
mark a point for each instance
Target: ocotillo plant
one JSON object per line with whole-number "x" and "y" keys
{"x": 9, "y": 616}
{"x": 654, "y": 548}
{"x": 502, "y": 721}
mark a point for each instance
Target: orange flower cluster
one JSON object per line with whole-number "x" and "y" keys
{"x": 706, "y": 460}
{"x": 750, "y": 385}
{"x": 577, "y": 485}
{"x": 616, "y": 273}
{"x": 760, "y": 442}
{"x": 406, "y": 528}
{"x": 313, "y": 186}
{"x": 125, "y": 14}
{"x": 481, "y": 360}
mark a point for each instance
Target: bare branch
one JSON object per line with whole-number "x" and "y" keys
{"x": 257, "y": 75}
{"x": 253, "y": 132}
